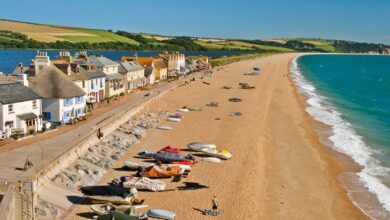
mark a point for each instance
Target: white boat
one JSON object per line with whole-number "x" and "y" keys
{"x": 161, "y": 214}
{"x": 103, "y": 209}
{"x": 173, "y": 119}
{"x": 110, "y": 199}
{"x": 197, "y": 146}
{"x": 183, "y": 110}
{"x": 223, "y": 154}
{"x": 212, "y": 159}
{"x": 164, "y": 128}
{"x": 135, "y": 165}
{"x": 144, "y": 183}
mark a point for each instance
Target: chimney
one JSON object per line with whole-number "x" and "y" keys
{"x": 21, "y": 67}
{"x": 22, "y": 78}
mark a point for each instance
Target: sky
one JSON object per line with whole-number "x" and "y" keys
{"x": 357, "y": 20}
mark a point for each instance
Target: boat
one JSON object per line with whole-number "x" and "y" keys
{"x": 117, "y": 200}
{"x": 168, "y": 157}
{"x": 223, "y": 154}
{"x": 145, "y": 154}
{"x": 183, "y": 110}
{"x": 164, "y": 128}
{"x": 173, "y": 119}
{"x": 184, "y": 162}
{"x": 115, "y": 215}
{"x": 212, "y": 159}
{"x": 171, "y": 149}
{"x": 197, "y": 146}
{"x": 193, "y": 109}
{"x": 144, "y": 183}
{"x": 104, "y": 190}
{"x": 176, "y": 116}
{"x": 181, "y": 166}
{"x": 136, "y": 165}
{"x": 161, "y": 214}
{"x": 158, "y": 172}
{"x": 103, "y": 209}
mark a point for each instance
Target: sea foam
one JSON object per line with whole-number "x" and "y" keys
{"x": 344, "y": 138}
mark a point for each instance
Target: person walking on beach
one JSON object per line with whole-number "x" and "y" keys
{"x": 215, "y": 205}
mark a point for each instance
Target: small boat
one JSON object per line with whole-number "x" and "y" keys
{"x": 145, "y": 154}
{"x": 161, "y": 214}
{"x": 183, "y": 110}
{"x": 168, "y": 157}
{"x": 136, "y": 165}
{"x": 184, "y": 162}
{"x": 173, "y": 119}
{"x": 144, "y": 183}
{"x": 171, "y": 149}
{"x": 175, "y": 116}
{"x": 117, "y": 200}
{"x": 164, "y": 128}
{"x": 223, "y": 154}
{"x": 194, "y": 109}
{"x": 158, "y": 172}
{"x": 212, "y": 159}
{"x": 103, "y": 209}
{"x": 197, "y": 146}
{"x": 181, "y": 166}
{"x": 116, "y": 215}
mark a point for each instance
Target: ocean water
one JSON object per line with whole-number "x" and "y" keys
{"x": 9, "y": 59}
{"x": 351, "y": 94}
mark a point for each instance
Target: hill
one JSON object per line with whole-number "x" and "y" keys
{"x": 24, "y": 35}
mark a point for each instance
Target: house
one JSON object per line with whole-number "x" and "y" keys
{"x": 62, "y": 100}
{"x": 114, "y": 80}
{"x": 147, "y": 63}
{"x": 175, "y": 63}
{"x": 160, "y": 70}
{"x": 20, "y": 107}
{"x": 134, "y": 74}
{"x": 196, "y": 63}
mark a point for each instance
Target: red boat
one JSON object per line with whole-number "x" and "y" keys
{"x": 184, "y": 162}
{"x": 171, "y": 149}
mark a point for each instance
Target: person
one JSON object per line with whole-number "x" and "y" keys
{"x": 215, "y": 205}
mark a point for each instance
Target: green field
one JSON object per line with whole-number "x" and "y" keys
{"x": 238, "y": 45}
{"x": 321, "y": 44}
{"x": 101, "y": 36}
{"x": 7, "y": 39}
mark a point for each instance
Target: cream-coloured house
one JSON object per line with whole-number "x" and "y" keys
{"x": 133, "y": 73}
{"x": 175, "y": 63}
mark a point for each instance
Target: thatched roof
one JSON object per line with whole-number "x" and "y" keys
{"x": 51, "y": 83}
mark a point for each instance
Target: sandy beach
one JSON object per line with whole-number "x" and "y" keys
{"x": 279, "y": 169}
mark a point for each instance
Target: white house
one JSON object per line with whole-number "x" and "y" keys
{"x": 114, "y": 80}
{"x": 133, "y": 74}
{"x": 62, "y": 99}
{"x": 20, "y": 108}
{"x": 176, "y": 63}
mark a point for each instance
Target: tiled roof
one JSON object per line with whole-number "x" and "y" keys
{"x": 16, "y": 92}
{"x": 129, "y": 66}
{"x": 102, "y": 61}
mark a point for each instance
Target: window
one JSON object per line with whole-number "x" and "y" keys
{"x": 10, "y": 108}
{"x": 83, "y": 84}
{"x": 65, "y": 103}
{"x": 77, "y": 99}
{"x": 101, "y": 82}
{"x": 34, "y": 103}
{"x": 92, "y": 84}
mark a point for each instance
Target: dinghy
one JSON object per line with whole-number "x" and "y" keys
{"x": 183, "y": 110}
{"x": 158, "y": 172}
{"x": 173, "y": 119}
{"x": 161, "y": 214}
{"x": 171, "y": 149}
{"x": 135, "y": 165}
{"x": 103, "y": 209}
{"x": 144, "y": 183}
{"x": 197, "y": 146}
{"x": 167, "y": 157}
{"x": 164, "y": 128}
{"x": 212, "y": 159}
{"x": 223, "y": 154}
{"x": 184, "y": 162}
{"x": 145, "y": 154}
{"x": 117, "y": 200}
{"x": 176, "y": 116}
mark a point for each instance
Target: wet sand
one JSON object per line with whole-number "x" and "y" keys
{"x": 279, "y": 169}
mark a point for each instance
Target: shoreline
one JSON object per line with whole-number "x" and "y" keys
{"x": 279, "y": 165}
{"x": 359, "y": 194}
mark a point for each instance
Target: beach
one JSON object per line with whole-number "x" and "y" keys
{"x": 279, "y": 169}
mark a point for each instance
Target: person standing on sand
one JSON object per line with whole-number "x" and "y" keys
{"x": 215, "y": 205}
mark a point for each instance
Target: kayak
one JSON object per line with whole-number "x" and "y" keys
{"x": 173, "y": 119}
{"x": 223, "y": 154}
{"x": 117, "y": 200}
{"x": 136, "y": 165}
{"x": 197, "y": 146}
{"x": 176, "y": 116}
{"x": 184, "y": 162}
{"x": 212, "y": 159}
{"x": 164, "y": 128}
{"x": 183, "y": 110}
{"x": 144, "y": 183}
{"x": 167, "y": 157}
{"x": 171, "y": 149}
{"x": 161, "y": 214}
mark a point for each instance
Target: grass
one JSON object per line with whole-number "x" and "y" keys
{"x": 7, "y": 39}
{"x": 101, "y": 36}
{"x": 239, "y": 45}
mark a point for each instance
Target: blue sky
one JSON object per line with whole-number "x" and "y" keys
{"x": 359, "y": 20}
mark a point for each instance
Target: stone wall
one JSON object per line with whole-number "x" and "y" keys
{"x": 7, "y": 205}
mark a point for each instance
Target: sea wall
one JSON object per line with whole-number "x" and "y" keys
{"x": 7, "y": 205}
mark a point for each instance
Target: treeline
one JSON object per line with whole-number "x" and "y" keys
{"x": 296, "y": 45}
{"x": 355, "y": 47}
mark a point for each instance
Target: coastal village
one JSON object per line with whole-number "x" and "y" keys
{"x": 49, "y": 93}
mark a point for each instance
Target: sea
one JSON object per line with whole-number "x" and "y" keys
{"x": 350, "y": 94}
{"x": 9, "y": 59}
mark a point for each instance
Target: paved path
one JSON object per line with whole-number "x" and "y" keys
{"x": 43, "y": 152}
